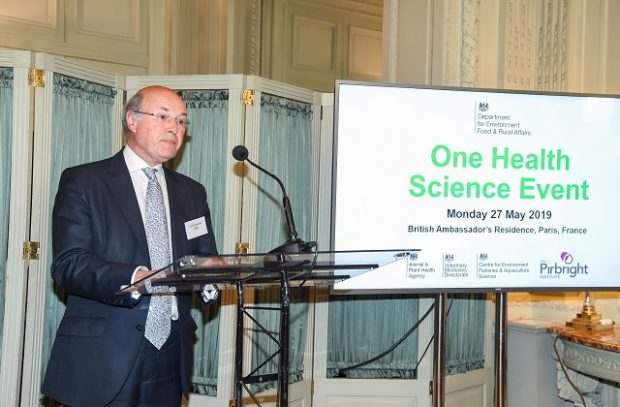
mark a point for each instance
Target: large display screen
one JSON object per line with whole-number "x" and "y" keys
{"x": 497, "y": 190}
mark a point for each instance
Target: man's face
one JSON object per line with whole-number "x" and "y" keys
{"x": 153, "y": 139}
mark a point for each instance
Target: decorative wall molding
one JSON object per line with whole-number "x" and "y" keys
{"x": 519, "y": 44}
{"x": 591, "y": 389}
{"x": 594, "y": 371}
{"x": 552, "y": 45}
{"x": 596, "y": 362}
{"x": 254, "y": 30}
{"x": 536, "y": 44}
{"x": 470, "y": 43}
{"x": 451, "y": 29}
{"x": 390, "y": 40}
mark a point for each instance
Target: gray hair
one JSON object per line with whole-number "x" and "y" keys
{"x": 132, "y": 105}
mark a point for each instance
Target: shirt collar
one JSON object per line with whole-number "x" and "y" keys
{"x": 135, "y": 163}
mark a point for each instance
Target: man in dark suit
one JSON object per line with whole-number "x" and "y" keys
{"x": 100, "y": 355}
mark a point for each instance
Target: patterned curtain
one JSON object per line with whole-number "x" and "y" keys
{"x": 362, "y": 327}
{"x": 465, "y": 333}
{"x": 82, "y": 121}
{"x": 285, "y": 149}
{"x": 203, "y": 158}
{"x": 6, "y": 133}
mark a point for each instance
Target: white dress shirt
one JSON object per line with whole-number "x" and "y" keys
{"x": 139, "y": 179}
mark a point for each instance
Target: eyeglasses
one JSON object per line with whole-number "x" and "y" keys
{"x": 166, "y": 118}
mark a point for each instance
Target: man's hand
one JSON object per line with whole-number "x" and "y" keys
{"x": 142, "y": 274}
{"x": 213, "y": 262}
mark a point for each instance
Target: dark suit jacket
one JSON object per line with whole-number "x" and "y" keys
{"x": 98, "y": 241}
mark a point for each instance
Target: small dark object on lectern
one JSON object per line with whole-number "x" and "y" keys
{"x": 295, "y": 246}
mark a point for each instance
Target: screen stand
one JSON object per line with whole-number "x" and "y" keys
{"x": 439, "y": 346}
{"x": 500, "y": 348}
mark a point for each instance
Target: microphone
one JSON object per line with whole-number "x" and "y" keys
{"x": 240, "y": 153}
{"x": 294, "y": 244}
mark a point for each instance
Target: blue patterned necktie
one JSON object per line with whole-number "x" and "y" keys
{"x": 157, "y": 329}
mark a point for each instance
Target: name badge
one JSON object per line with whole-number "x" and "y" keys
{"x": 195, "y": 228}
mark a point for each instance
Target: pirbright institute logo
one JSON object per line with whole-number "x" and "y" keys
{"x": 566, "y": 257}
{"x": 566, "y": 266}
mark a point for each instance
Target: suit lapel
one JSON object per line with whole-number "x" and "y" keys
{"x": 177, "y": 221}
{"x": 122, "y": 191}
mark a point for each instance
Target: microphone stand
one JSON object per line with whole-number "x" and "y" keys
{"x": 293, "y": 244}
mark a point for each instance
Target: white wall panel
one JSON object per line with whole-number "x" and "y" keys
{"x": 314, "y": 44}
{"x": 109, "y": 30}
{"x": 365, "y": 49}
{"x": 30, "y": 24}
{"x": 34, "y": 12}
{"x": 117, "y": 19}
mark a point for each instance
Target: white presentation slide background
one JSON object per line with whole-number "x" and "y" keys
{"x": 385, "y": 135}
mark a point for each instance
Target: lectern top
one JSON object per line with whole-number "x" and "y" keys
{"x": 191, "y": 273}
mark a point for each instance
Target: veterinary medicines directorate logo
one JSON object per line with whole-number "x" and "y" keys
{"x": 555, "y": 269}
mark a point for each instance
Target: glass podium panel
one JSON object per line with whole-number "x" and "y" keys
{"x": 191, "y": 273}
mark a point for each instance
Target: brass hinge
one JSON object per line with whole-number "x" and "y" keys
{"x": 242, "y": 248}
{"x": 35, "y": 77}
{"x": 247, "y": 97}
{"x": 30, "y": 251}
